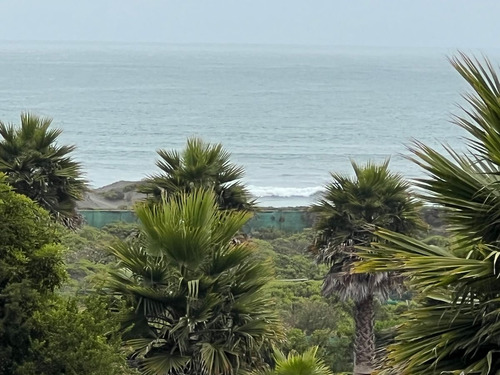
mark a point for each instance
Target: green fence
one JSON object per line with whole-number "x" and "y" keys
{"x": 99, "y": 218}
{"x": 287, "y": 220}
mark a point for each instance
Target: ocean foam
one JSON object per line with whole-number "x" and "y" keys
{"x": 284, "y": 192}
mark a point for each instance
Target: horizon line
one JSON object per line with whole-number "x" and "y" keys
{"x": 241, "y": 44}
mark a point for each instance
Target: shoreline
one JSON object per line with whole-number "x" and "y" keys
{"x": 122, "y": 195}
{"x": 118, "y": 200}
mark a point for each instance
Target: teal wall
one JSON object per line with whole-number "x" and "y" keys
{"x": 99, "y": 218}
{"x": 287, "y": 220}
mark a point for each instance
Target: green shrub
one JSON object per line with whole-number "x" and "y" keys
{"x": 113, "y": 195}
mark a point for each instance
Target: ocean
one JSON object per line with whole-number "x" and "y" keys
{"x": 289, "y": 114}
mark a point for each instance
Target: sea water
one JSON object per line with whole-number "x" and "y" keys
{"x": 289, "y": 114}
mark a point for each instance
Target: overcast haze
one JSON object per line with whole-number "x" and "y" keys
{"x": 436, "y": 23}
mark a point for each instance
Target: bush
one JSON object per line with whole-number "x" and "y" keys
{"x": 73, "y": 338}
{"x": 113, "y": 195}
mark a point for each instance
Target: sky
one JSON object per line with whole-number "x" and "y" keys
{"x": 378, "y": 23}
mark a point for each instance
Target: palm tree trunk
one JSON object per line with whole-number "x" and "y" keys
{"x": 364, "y": 343}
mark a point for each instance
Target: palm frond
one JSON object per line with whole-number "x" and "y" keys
{"x": 455, "y": 328}
{"x": 39, "y": 168}
{"x": 195, "y": 293}
{"x": 306, "y": 363}
{"x": 199, "y": 165}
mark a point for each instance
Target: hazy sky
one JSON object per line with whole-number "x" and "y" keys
{"x": 440, "y": 23}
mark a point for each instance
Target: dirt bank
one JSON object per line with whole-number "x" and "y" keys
{"x": 119, "y": 195}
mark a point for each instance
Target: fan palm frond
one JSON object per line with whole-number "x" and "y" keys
{"x": 306, "y": 363}
{"x": 36, "y": 166}
{"x": 196, "y": 294}
{"x": 455, "y": 328}
{"x": 199, "y": 165}
{"x": 348, "y": 213}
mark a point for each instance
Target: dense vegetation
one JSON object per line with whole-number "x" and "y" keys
{"x": 42, "y": 332}
{"x": 309, "y": 319}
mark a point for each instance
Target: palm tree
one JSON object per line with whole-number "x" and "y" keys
{"x": 455, "y": 330}
{"x": 199, "y": 304}
{"x": 199, "y": 165}
{"x": 297, "y": 364}
{"x": 347, "y": 214}
{"x": 37, "y": 167}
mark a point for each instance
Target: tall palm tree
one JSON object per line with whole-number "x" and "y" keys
{"x": 455, "y": 330}
{"x": 199, "y": 165}
{"x": 36, "y": 166}
{"x": 199, "y": 301}
{"x": 347, "y": 214}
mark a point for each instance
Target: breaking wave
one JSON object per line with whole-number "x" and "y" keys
{"x": 284, "y": 192}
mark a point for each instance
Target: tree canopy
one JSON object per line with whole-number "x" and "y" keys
{"x": 197, "y": 294}
{"x": 28, "y": 243}
{"x": 41, "y": 332}
{"x": 36, "y": 166}
{"x": 199, "y": 165}
{"x": 348, "y": 213}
